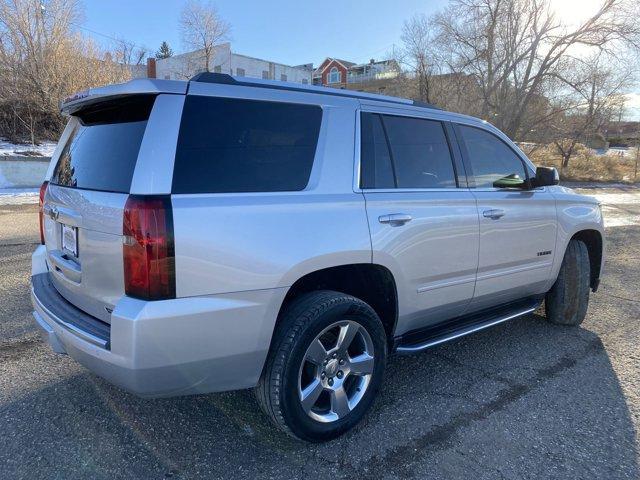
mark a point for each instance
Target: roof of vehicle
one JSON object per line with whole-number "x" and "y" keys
{"x": 155, "y": 86}
{"x": 223, "y": 78}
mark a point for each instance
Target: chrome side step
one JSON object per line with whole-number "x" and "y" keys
{"x": 437, "y": 340}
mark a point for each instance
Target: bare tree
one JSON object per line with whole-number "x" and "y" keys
{"x": 417, "y": 54}
{"x": 596, "y": 86}
{"x": 128, "y": 53}
{"x": 513, "y": 48}
{"x": 203, "y": 28}
{"x": 42, "y": 60}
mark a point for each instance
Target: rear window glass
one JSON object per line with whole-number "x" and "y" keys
{"x": 229, "y": 145}
{"x": 102, "y": 150}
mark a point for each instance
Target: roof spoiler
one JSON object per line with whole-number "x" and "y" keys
{"x": 142, "y": 86}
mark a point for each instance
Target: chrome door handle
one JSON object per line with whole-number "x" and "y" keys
{"x": 395, "y": 219}
{"x": 494, "y": 213}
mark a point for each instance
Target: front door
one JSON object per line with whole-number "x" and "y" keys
{"x": 423, "y": 227}
{"x": 517, "y": 227}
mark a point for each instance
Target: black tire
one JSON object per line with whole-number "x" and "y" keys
{"x": 301, "y": 322}
{"x": 567, "y": 301}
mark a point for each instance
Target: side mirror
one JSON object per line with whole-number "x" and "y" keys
{"x": 510, "y": 181}
{"x": 546, "y": 176}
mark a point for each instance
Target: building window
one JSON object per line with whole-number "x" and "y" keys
{"x": 283, "y": 77}
{"x": 334, "y": 75}
{"x": 265, "y": 74}
{"x": 167, "y": 77}
{"x": 217, "y": 69}
{"x": 240, "y": 72}
{"x": 305, "y": 81}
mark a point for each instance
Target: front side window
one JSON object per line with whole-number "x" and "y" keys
{"x": 334, "y": 75}
{"x": 489, "y": 157}
{"x": 229, "y": 145}
{"x": 405, "y": 152}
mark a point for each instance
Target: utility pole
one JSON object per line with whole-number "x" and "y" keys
{"x": 635, "y": 172}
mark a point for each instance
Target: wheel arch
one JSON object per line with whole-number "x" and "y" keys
{"x": 595, "y": 246}
{"x": 371, "y": 283}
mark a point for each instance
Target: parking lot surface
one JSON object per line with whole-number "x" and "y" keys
{"x": 524, "y": 399}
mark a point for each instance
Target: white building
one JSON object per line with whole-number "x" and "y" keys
{"x": 224, "y": 60}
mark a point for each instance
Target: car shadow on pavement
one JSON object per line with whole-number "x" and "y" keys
{"x": 523, "y": 399}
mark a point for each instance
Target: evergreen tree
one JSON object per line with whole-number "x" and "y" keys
{"x": 164, "y": 51}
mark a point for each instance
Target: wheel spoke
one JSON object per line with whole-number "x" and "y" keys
{"x": 310, "y": 394}
{"x": 362, "y": 364}
{"x": 347, "y": 334}
{"x": 340, "y": 402}
{"x": 316, "y": 352}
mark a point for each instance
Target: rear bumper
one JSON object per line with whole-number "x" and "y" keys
{"x": 171, "y": 347}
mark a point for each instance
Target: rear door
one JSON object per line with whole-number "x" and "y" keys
{"x": 84, "y": 202}
{"x": 517, "y": 227}
{"x": 423, "y": 219}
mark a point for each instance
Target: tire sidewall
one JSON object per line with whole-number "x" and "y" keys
{"x": 296, "y": 418}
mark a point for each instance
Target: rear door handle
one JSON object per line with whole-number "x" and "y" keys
{"x": 494, "y": 213}
{"x": 395, "y": 219}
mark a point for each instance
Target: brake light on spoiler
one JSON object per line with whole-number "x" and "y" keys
{"x": 76, "y": 96}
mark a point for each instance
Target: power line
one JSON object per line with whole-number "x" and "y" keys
{"x": 108, "y": 36}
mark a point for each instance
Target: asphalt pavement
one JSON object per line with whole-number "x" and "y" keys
{"x": 525, "y": 399}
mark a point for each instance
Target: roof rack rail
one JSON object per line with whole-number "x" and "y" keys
{"x": 226, "y": 79}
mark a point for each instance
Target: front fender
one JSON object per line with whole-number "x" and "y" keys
{"x": 575, "y": 213}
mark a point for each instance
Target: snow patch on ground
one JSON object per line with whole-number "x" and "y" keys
{"x": 619, "y": 209}
{"x": 45, "y": 149}
{"x": 18, "y": 196}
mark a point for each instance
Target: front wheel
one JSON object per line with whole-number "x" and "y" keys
{"x": 567, "y": 301}
{"x": 325, "y": 366}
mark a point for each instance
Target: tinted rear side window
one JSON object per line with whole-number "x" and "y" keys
{"x": 404, "y": 152}
{"x": 376, "y": 168}
{"x": 102, "y": 150}
{"x": 420, "y": 153}
{"x": 229, "y": 145}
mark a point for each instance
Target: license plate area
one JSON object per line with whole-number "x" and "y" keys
{"x": 70, "y": 240}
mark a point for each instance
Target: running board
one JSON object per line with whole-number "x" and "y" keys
{"x": 432, "y": 336}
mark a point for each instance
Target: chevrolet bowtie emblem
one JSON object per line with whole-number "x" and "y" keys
{"x": 54, "y": 213}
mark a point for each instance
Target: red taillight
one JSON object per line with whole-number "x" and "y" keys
{"x": 148, "y": 250}
{"x": 43, "y": 191}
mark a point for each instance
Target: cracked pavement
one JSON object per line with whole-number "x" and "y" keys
{"x": 524, "y": 399}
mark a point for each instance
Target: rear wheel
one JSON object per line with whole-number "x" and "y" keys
{"x": 325, "y": 366}
{"x": 567, "y": 301}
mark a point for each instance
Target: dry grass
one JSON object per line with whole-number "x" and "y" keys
{"x": 585, "y": 166}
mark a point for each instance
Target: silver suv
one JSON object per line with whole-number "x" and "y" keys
{"x": 227, "y": 233}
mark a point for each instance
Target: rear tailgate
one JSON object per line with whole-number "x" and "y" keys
{"x": 84, "y": 202}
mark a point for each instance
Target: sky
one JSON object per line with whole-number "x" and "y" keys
{"x": 288, "y": 31}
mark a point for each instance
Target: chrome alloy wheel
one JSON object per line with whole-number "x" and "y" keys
{"x": 336, "y": 371}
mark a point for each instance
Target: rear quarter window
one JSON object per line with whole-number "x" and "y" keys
{"x": 229, "y": 145}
